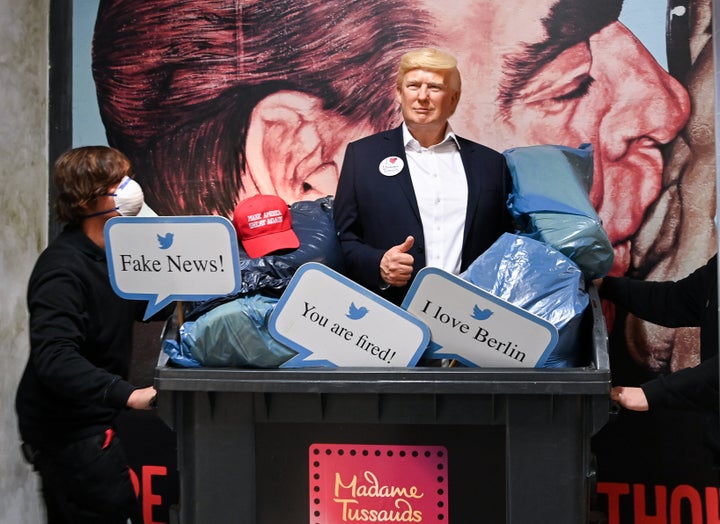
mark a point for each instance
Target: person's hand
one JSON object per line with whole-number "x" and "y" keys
{"x": 630, "y": 398}
{"x": 143, "y": 398}
{"x": 396, "y": 265}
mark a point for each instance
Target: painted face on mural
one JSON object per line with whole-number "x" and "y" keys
{"x": 533, "y": 78}
{"x": 676, "y": 239}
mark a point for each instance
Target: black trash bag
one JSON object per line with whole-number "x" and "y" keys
{"x": 312, "y": 222}
{"x": 314, "y": 226}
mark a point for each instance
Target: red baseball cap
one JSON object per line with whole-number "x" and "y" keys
{"x": 263, "y": 224}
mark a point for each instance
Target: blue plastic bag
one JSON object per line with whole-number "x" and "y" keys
{"x": 541, "y": 280}
{"x": 549, "y": 202}
{"x": 233, "y": 334}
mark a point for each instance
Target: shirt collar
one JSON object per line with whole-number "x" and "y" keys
{"x": 410, "y": 142}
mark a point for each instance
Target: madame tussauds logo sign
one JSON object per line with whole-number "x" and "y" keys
{"x": 475, "y": 327}
{"x": 378, "y": 483}
{"x": 356, "y": 492}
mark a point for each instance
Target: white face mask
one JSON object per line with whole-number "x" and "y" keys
{"x": 128, "y": 198}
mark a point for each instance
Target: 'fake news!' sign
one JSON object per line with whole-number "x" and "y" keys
{"x": 163, "y": 259}
{"x": 332, "y": 321}
{"x": 475, "y": 327}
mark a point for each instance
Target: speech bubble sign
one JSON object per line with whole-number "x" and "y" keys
{"x": 475, "y": 327}
{"x": 162, "y": 259}
{"x": 332, "y": 321}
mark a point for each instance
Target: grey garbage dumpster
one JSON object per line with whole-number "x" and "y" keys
{"x": 517, "y": 440}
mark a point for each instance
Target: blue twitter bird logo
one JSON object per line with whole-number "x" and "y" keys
{"x": 481, "y": 314}
{"x": 356, "y": 313}
{"x": 165, "y": 241}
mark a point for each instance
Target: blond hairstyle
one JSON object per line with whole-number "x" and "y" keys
{"x": 430, "y": 59}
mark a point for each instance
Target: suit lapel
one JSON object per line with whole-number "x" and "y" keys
{"x": 395, "y": 147}
{"x": 469, "y": 158}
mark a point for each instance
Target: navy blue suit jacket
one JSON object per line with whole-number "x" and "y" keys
{"x": 374, "y": 212}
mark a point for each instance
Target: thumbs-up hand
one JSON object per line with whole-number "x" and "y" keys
{"x": 396, "y": 265}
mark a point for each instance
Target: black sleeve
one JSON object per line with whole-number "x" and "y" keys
{"x": 669, "y": 304}
{"x": 691, "y": 388}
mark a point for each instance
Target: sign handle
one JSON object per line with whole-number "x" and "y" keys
{"x": 180, "y": 313}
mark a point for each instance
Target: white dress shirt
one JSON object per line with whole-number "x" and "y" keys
{"x": 440, "y": 185}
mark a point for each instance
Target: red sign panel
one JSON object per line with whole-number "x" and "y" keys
{"x": 378, "y": 483}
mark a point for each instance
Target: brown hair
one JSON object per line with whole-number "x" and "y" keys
{"x": 83, "y": 174}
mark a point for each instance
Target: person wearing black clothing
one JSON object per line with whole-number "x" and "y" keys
{"x": 75, "y": 381}
{"x": 692, "y": 301}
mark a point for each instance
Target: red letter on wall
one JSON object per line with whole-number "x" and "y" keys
{"x": 149, "y": 499}
{"x": 685, "y": 492}
{"x": 711, "y": 504}
{"x": 639, "y": 505}
{"x": 613, "y": 490}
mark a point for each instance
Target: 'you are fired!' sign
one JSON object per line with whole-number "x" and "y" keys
{"x": 332, "y": 321}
